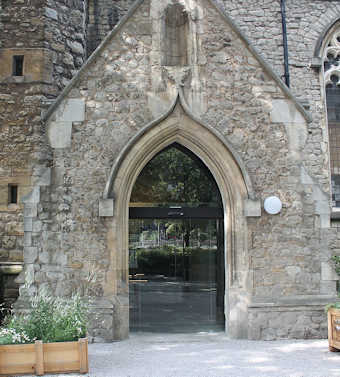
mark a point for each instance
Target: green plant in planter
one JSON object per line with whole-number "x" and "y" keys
{"x": 50, "y": 319}
{"x": 336, "y": 262}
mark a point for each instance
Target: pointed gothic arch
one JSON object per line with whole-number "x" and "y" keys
{"x": 330, "y": 53}
{"x": 179, "y": 127}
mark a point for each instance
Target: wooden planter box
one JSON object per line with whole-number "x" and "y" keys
{"x": 334, "y": 329}
{"x": 40, "y": 358}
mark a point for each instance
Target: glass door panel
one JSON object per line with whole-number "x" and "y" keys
{"x": 176, "y": 275}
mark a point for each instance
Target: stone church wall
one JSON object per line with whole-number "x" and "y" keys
{"x": 66, "y": 242}
{"x": 237, "y": 97}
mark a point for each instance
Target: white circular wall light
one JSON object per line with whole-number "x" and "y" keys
{"x": 273, "y": 205}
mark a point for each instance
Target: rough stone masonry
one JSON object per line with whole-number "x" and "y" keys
{"x": 74, "y": 158}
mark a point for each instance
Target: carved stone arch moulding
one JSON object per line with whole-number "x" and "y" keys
{"x": 331, "y": 92}
{"x": 331, "y": 57}
{"x": 178, "y": 127}
{"x": 323, "y": 39}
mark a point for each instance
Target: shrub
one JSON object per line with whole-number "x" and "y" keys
{"x": 11, "y": 336}
{"x": 50, "y": 319}
{"x": 336, "y": 261}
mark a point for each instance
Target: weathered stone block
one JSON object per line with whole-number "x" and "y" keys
{"x": 252, "y": 208}
{"x": 59, "y": 134}
{"x": 284, "y": 111}
{"x": 106, "y": 207}
{"x": 30, "y": 254}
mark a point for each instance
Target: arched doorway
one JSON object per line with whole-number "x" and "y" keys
{"x": 176, "y": 246}
{"x": 178, "y": 125}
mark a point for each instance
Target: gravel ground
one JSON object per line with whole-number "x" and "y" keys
{"x": 211, "y": 355}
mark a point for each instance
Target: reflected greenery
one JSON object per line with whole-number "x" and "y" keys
{"x": 176, "y": 176}
{"x": 160, "y": 261}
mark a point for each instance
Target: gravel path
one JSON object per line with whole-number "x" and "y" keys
{"x": 211, "y": 355}
{"x": 214, "y": 355}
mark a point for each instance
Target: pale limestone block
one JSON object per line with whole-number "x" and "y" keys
{"x": 306, "y": 179}
{"x": 28, "y": 225}
{"x": 30, "y": 210}
{"x": 32, "y": 197}
{"x": 44, "y": 179}
{"x": 29, "y": 274}
{"x": 106, "y": 207}
{"x": 30, "y": 254}
{"x": 59, "y": 134}
{"x": 252, "y": 208}
{"x": 285, "y": 111}
{"x": 327, "y": 272}
{"x": 71, "y": 110}
{"x": 27, "y": 237}
{"x": 297, "y": 137}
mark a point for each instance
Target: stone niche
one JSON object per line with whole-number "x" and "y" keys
{"x": 175, "y": 34}
{"x": 37, "y": 65}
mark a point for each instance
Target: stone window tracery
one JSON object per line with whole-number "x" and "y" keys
{"x": 332, "y": 90}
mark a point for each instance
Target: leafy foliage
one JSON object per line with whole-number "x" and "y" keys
{"x": 336, "y": 261}
{"x": 334, "y": 305}
{"x": 11, "y": 336}
{"x": 157, "y": 260}
{"x": 176, "y": 176}
{"x": 50, "y": 319}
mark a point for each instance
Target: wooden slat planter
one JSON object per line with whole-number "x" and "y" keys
{"x": 334, "y": 329}
{"x": 40, "y": 358}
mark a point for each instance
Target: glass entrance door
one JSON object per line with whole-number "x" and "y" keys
{"x": 176, "y": 275}
{"x": 176, "y": 246}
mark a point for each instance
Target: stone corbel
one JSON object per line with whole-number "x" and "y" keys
{"x": 252, "y": 208}
{"x": 106, "y": 207}
{"x": 178, "y": 75}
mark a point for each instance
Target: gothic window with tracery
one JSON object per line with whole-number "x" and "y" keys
{"x": 332, "y": 88}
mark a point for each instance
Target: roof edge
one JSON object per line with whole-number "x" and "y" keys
{"x": 92, "y": 57}
{"x": 262, "y": 61}
{"x": 122, "y": 22}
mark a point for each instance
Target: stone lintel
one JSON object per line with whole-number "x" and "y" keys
{"x": 106, "y": 207}
{"x": 11, "y": 268}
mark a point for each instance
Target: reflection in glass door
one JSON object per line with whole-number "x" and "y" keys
{"x": 176, "y": 275}
{"x": 176, "y": 246}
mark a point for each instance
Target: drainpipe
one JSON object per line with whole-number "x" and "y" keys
{"x": 285, "y": 43}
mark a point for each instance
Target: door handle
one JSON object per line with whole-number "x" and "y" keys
{"x": 175, "y": 213}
